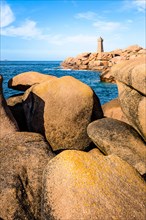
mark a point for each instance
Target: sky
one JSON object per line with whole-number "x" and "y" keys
{"x": 56, "y": 29}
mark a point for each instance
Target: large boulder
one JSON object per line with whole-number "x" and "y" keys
{"x": 131, "y": 82}
{"x": 132, "y": 73}
{"x": 133, "y": 104}
{"x": 79, "y": 185}
{"x": 112, "y": 136}
{"x": 7, "y": 122}
{"x": 62, "y": 109}
{"x": 23, "y": 159}
{"x": 25, "y": 80}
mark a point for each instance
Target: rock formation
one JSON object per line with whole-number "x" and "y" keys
{"x": 40, "y": 182}
{"x": 103, "y": 61}
{"x": 131, "y": 82}
{"x": 62, "y": 109}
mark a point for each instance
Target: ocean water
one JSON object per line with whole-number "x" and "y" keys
{"x": 8, "y": 69}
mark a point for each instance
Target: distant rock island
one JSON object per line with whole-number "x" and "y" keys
{"x": 102, "y": 61}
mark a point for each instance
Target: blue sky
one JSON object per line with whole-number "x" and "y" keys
{"x": 57, "y": 29}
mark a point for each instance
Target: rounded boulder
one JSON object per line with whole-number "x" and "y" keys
{"x": 62, "y": 109}
{"x": 78, "y": 185}
{"x": 25, "y": 80}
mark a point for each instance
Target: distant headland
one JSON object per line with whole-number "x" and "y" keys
{"x": 102, "y": 61}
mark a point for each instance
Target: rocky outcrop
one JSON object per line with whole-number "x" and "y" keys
{"x": 7, "y": 122}
{"x": 116, "y": 137}
{"x": 78, "y": 185}
{"x": 62, "y": 109}
{"x": 23, "y": 159}
{"x": 25, "y": 80}
{"x": 133, "y": 105}
{"x": 102, "y": 183}
{"x": 131, "y": 81}
{"x": 132, "y": 73}
{"x": 103, "y": 62}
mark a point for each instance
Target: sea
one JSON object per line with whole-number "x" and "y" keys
{"x": 9, "y": 69}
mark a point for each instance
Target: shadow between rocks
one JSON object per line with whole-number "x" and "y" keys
{"x": 34, "y": 113}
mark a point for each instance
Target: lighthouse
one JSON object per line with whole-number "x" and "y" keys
{"x": 100, "y": 45}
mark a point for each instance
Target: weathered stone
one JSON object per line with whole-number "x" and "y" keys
{"x": 132, "y": 73}
{"x": 112, "y": 109}
{"x": 117, "y": 59}
{"x": 116, "y": 137}
{"x": 78, "y": 185}
{"x": 116, "y": 52}
{"x": 133, "y": 48}
{"x": 83, "y": 67}
{"x": 62, "y": 109}
{"x": 93, "y": 56}
{"x": 105, "y": 63}
{"x": 15, "y": 99}
{"x": 133, "y": 104}
{"x": 7, "y": 122}
{"x": 83, "y": 55}
{"x": 79, "y": 62}
{"x": 132, "y": 56}
{"x": 85, "y": 62}
{"x": 142, "y": 51}
{"x": 25, "y": 80}
{"x": 16, "y": 107}
{"x": 23, "y": 159}
{"x": 107, "y": 77}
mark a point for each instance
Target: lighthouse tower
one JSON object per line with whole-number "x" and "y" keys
{"x": 100, "y": 45}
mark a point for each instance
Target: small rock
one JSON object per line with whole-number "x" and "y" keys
{"x": 112, "y": 109}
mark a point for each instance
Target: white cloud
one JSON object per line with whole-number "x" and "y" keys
{"x": 89, "y": 15}
{"x": 27, "y": 30}
{"x": 107, "y": 26}
{"x": 6, "y": 15}
{"x": 140, "y": 4}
